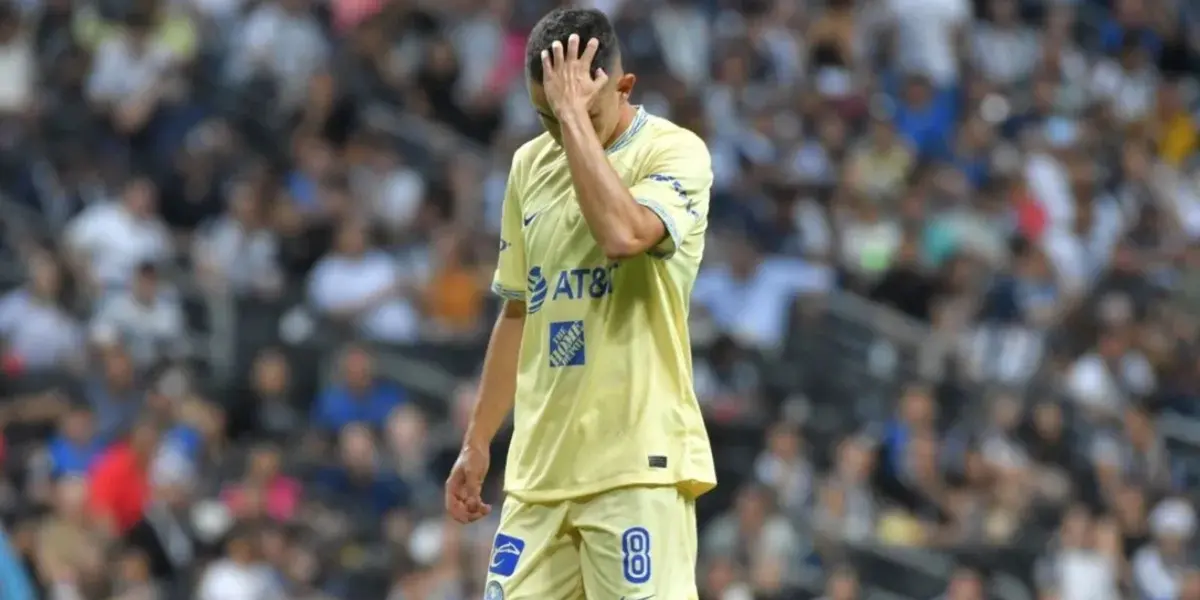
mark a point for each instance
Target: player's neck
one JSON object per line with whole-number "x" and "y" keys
{"x": 628, "y": 114}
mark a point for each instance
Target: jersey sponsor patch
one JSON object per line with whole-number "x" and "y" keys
{"x": 567, "y": 344}
{"x": 506, "y": 552}
{"x": 537, "y": 289}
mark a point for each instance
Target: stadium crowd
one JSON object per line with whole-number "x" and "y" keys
{"x": 946, "y": 329}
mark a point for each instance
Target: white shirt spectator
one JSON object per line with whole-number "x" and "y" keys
{"x": 115, "y": 241}
{"x": 1131, "y": 94}
{"x": 398, "y": 197}
{"x": 1154, "y": 577}
{"x": 1079, "y": 260}
{"x": 756, "y": 311}
{"x": 148, "y": 330}
{"x": 288, "y": 44}
{"x": 1095, "y": 385}
{"x": 41, "y": 334}
{"x": 120, "y": 71}
{"x": 1049, "y": 184}
{"x": 18, "y": 72}
{"x": 1086, "y": 575}
{"x": 246, "y": 260}
{"x": 1005, "y": 55}
{"x": 341, "y": 283}
{"x": 688, "y": 52}
{"x": 926, "y": 33}
{"x": 228, "y": 580}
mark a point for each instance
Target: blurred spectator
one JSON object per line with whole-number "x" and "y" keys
{"x": 267, "y": 408}
{"x": 842, "y": 584}
{"x": 147, "y": 318}
{"x": 114, "y": 396}
{"x": 749, "y": 297}
{"x": 360, "y": 480}
{"x": 237, "y": 248}
{"x": 76, "y": 447}
{"x": 785, "y": 468}
{"x": 281, "y": 42}
{"x": 965, "y": 584}
{"x": 357, "y": 397}
{"x": 757, "y": 537}
{"x": 110, "y": 239}
{"x": 70, "y": 551}
{"x": 264, "y": 491}
{"x": 163, "y": 534}
{"x": 1158, "y": 567}
{"x": 360, "y": 286}
{"x": 119, "y": 484}
{"x": 38, "y": 333}
{"x": 241, "y": 575}
{"x": 728, "y": 383}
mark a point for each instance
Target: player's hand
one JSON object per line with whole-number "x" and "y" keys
{"x": 568, "y": 79}
{"x": 464, "y": 487}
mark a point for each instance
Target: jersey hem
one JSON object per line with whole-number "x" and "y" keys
{"x": 508, "y": 293}
{"x": 668, "y": 223}
{"x": 696, "y": 487}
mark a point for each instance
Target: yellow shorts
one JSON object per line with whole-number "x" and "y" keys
{"x": 632, "y": 543}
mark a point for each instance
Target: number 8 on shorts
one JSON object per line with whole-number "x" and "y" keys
{"x": 635, "y": 554}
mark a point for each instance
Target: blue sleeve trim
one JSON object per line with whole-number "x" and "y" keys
{"x": 669, "y": 223}
{"x": 508, "y": 293}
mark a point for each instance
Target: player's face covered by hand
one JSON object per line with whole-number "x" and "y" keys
{"x": 604, "y": 112}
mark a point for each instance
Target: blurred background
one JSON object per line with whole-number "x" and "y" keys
{"x": 946, "y": 332}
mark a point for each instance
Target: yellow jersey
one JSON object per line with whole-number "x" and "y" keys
{"x": 604, "y": 385}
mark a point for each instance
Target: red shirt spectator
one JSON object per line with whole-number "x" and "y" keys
{"x": 119, "y": 485}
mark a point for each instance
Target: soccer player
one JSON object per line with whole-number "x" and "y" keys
{"x": 602, "y": 234}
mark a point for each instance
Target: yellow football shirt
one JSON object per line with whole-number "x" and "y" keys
{"x": 604, "y": 387}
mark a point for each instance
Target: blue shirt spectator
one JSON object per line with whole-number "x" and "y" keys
{"x": 358, "y": 397}
{"x": 371, "y": 493}
{"x": 76, "y": 446}
{"x": 341, "y": 405}
{"x": 115, "y": 400}
{"x": 926, "y": 116}
{"x": 358, "y": 485}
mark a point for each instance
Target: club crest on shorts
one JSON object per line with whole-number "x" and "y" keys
{"x": 493, "y": 591}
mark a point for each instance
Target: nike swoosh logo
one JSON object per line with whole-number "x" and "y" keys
{"x": 527, "y": 221}
{"x": 642, "y": 598}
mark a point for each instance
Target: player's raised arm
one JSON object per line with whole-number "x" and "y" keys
{"x": 498, "y": 382}
{"x": 575, "y": 91}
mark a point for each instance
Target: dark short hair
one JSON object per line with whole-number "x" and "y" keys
{"x": 558, "y": 25}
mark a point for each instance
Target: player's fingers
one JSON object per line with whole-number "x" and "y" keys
{"x": 600, "y": 77}
{"x": 573, "y": 47}
{"x": 556, "y": 52}
{"x": 547, "y": 64}
{"x": 483, "y": 511}
{"x": 459, "y": 513}
{"x": 589, "y": 51}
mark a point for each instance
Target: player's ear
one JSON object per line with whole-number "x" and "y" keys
{"x": 625, "y": 84}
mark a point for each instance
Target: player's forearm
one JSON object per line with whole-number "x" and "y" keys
{"x": 621, "y": 227}
{"x": 498, "y": 383}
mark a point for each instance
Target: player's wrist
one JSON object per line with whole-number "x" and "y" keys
{"x": 474, "y": 441}
{"x": 572, "y": 113}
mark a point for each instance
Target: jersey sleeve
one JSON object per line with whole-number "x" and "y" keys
{"x": 509, "y": 280}
{"x": 676, "y": 188}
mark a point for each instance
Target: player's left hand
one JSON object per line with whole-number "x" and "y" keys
{"x": 464, "y": 487}
{"x": 568, "y": 79}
